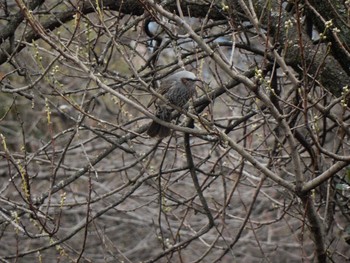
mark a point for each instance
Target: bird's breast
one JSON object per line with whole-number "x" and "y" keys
{"x": 179, "y": 96}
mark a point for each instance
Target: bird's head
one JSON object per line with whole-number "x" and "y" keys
{"x": 186, "y": 77}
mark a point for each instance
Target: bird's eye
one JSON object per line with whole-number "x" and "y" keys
{"x": 186, "y": 80}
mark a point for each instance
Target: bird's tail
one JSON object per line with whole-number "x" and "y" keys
{"x": 156, "y": 129}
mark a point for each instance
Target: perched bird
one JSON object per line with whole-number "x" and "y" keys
{"x": 177, "y": 89}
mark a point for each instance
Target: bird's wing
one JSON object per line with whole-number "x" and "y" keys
{"x": 165, "y": 86}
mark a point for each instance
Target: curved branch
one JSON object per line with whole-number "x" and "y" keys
{"x": 130, "y": 7}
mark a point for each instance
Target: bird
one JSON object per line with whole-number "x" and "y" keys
{"x": 177, "y": 89}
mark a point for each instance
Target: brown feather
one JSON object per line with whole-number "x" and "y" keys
{"x": 165, "y": 85}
